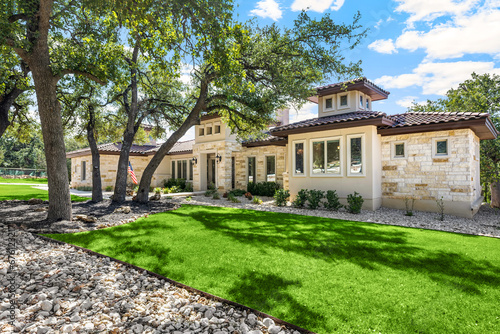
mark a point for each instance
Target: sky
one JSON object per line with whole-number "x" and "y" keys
{"x": 415, "y": 49}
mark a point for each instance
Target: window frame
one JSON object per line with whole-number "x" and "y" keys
{"x": 217, "y": 124}
{"x": 275, "y": 164}
{"x": 361, "y": 101}
{"x": 175, "y": 170}
{"x": 332, "y": 97}
{"x": 304, "y": 164}
{"x": 84, "y": 170}
{"x": 339, "y": 97}
{"x": 363, "y": 155}
{"x": 368, "y": 103}
{"x": 393, "y": 149}
{"x": 247, "y": 169}
{"x": 209, "y": 128}
{"x": 201, "y": 129}
{"x": 325, "y": 140}
{"x": 434, "y": 147}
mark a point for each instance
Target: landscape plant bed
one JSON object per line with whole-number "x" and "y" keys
{"x": 325, "y": 275}
{"x": 24, "y": 193}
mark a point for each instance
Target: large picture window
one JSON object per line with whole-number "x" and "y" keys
{"x": 326, "y": 157}
{"x": 355, "y": 154}
{"x": 252, "y": 170}
{"x": 271, "y": 168}
{"x": 298, "y": 159}
{"x": 180, "y": 169}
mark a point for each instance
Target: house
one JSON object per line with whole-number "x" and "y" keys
{"x": 349, "y": 147}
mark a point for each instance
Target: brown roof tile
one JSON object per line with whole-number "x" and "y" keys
{"x": 421, "y": 118}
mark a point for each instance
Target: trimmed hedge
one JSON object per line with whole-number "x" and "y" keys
{"x": 263, "y": 188}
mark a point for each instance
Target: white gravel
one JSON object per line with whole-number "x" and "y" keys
{"x": 486, "y": 222}
{"x": 61, "y": 289}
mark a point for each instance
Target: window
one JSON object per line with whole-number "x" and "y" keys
{"x": 367, "y": 104}
{"x": 252, "y": 177}
{"x": 209, "y": 131}
{"x": 298, "y": 159}
{"x": 329, "y": 103}
{"x": 179, "y": 169}
{"x": 184, "y": 169}
{"x": 173, "y": 169}
{"x": 399, "y": 149}
{"x": 344, "y": 102}
{"x": 442, "y": 147}
{"x": 326, "y": 157}
{"x": 217, "y": 128}
{"x": 361, "y": 101}
{"x": 271, "y": 168}
{"x": 355, "y": 154}
{"x": 191, "y": 170}
{"x": 201, "y": 132}
{"x": 84, "y": 170}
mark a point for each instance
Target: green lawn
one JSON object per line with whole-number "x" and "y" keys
{"x": 40, "y": 181}
{"x": 325, "y": 275}
{"x": 20, "y": 192}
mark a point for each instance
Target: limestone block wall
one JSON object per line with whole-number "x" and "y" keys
{"x": 426, "y": 177}
{"x": 260, "y": 153}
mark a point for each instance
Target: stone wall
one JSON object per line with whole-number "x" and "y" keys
{"x": 426, "y": 177}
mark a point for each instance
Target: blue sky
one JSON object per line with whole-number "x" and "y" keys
{"x": 416, "y": 49}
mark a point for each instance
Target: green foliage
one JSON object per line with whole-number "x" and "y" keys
{"x": 232, "y": 198}
{"x": 188, "y": 198}
{"x": 237, "y": 192}
{"x": 157, "y": 190}
{"x": 332, "y": 201}
{"x": 84, "y": 188}
{"x": 210, "y": 192}
{"x": 281, "y": 196}
{"x": 301, "y": 199}
{"x": 211, "y": 186}
{"x": 314, "y": 198}
{"x": 189, "y": 187}
{"x": 23, "y": 154}
{"x": 354, "y": 203}
{"x": 25, "y": 193}
{"x": 256, "y": 200}
{"x": 179, "y": 183}
{"x": 263, "y": 188}
{"x": 216, "y": 195}
{"x": 109, "y": 188}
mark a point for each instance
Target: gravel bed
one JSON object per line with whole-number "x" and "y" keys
{"x": 486, "y": 222}
{"x": 61, "y": 289}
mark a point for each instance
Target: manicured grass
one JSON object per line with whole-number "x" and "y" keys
{"x": 40, "y": 181}
{"x": 20, "y": 192}
{"x": 325, "y": 275}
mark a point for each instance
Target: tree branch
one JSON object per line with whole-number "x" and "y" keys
{"x": 82, "y": 73}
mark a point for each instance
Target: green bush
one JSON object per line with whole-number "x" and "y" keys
{"x": 314, "y": 198}
{"x": 109, "y": 188}
{"x": 84, "y": 188}
{"x": 210, "y": 192}
{"x": 180, "y": 183}
{"x": 263, "y": 188}
{"x": 354, "y": 202}
{"x": 300, "y": 199}
{"x": 233, "y": 198}
{"x": 256, "y": 200}
{"x": 332, "y": 201}
{"x": 281, "y": 196}
{"x": 157, "y": 190}
{"x": 189, "y": 187}
{"x": 166, "y": 190}
{"x": 216, "y": 195}
{"x": 237, "y": 192}
{"x": 211, "y": 186}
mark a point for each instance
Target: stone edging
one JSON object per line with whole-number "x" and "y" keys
{"x": 180, "y": 285}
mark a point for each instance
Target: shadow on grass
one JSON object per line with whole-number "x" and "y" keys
{"x": 369, "y": 246}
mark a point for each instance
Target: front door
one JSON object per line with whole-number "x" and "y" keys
{"x": 211, "y": 170}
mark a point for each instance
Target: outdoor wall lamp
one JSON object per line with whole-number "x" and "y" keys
{"x": 194, "y": 160}
{"x": 218, "y": 157}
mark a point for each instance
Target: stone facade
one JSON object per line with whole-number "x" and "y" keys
{"x": 426, "y": 177}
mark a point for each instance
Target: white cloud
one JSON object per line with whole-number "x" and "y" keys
{"x": 383, "y": 46}
{"x": 471, "y": 34}
{"x": 319, "y": 6}
{"x": 407, "y": 101}
{"x": 309, "y": 110}
{"x": 429, "y": 10}
{"x": 437, "y": 78}
{"x": 267, "y": 9}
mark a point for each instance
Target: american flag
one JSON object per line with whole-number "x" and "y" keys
{"x": 132, "y": 174}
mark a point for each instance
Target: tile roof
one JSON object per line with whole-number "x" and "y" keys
{"x": 267, "y": 140}
{"x": 350, "y": 82}
{"x": 179, "y": 147}
{"x": 352, "y": 116}
{"x": 421, "y": 118}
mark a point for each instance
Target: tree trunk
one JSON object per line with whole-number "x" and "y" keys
{"x": 495, "y": 194}
{"x": 53, "y": 139}
{"x": 122, "y": 169}
{"x": 6, "y": 103}
{"x": 96, "y": 163}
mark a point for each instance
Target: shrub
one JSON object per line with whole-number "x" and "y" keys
{"x": 210, "y": 192}
{"x": 248, "y": 195}
{"x": 281, "y": 196}
{"x": 175, "y": 189}
{"x": 166, "y": 190}
{"x": 237, "y": 192}
{"x": 211, "y": 186}
{"x": 256, "y": 200}
{"x": 409, "y": 202}
{"x": 300, "y": 199}
{"x": 216, "y": 195}
{"x": 84, "y": 188}
{"x": 263, "y": 188}
{"x": 189, "y": 187}
{"x": 188, "y": 198}
{"x": 354, "y": 202}
{"x": 440, "y": 205}
{"x": 180, "y": 183}
{"x": 233, "y": 198}
{"x": 332, "y": 201}
{"x": 151, "y": 189}
{"x": 136, "y": 189}
{"x": 314, "y": 198}
{"x": 157, "y": 190}
{"x": 109, "y": 188}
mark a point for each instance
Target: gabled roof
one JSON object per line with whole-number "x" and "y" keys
{"x": 136, "y": 150}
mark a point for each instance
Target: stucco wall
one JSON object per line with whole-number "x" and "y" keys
{"x": 426, "y": 177}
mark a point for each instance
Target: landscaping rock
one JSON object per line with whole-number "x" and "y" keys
{"x": 122, "y": 209}
{"x": 155, "y": 197}
{"x": 85, "y": 218}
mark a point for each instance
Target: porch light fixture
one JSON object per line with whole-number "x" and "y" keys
{"x": 218, "y": 157}
{"x": 194, "y": 160}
